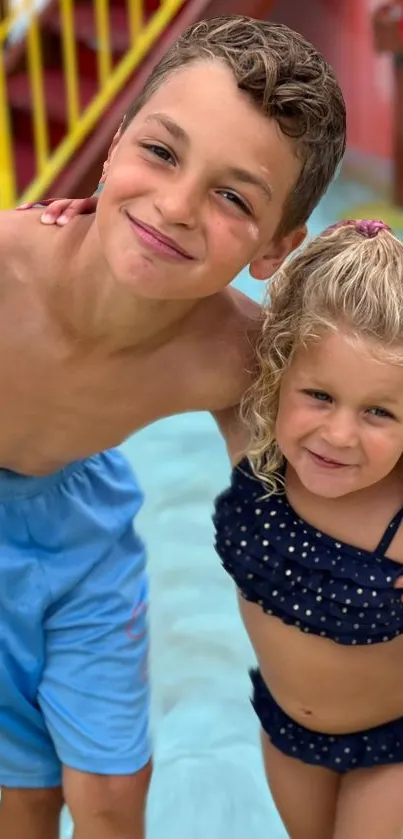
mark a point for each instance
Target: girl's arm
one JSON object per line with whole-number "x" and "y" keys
{"x": 61, "y": 210}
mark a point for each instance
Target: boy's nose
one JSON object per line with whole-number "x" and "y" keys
{"x": 180, "y": 205}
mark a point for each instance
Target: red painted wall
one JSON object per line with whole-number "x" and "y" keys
{"x": 341, "y": 29}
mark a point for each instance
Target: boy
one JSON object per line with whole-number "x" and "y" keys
{"x": 108, "y": 324}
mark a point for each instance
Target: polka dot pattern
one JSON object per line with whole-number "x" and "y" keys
{"x": 301, "y": 575}
{"x": 341, "y": 753}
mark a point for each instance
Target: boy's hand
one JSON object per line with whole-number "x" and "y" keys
{"x": 62, "y": 210}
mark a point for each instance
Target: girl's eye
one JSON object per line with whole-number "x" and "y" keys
{"x": 159, "y": 151}
{"x": 380, "y": 413}
{"x": 319, "y": 395}
{"x": 233, "y": 198}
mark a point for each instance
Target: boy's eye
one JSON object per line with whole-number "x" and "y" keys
{"x": 234, "y": 198}
{"x": 380, "y": 413}
{"x": 319, "y": 395}
{"x": 159, "y": 151}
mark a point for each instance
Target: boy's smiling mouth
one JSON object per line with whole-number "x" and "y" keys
{"x": 157, "y": 241}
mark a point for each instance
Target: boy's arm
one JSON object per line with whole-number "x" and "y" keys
{"x": 234, "y": 432}
{"x": 61, "y": 210}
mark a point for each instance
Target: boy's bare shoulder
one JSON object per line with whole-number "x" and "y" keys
{"x": 13, "y": 221}
{"x": 20, "y": 235}
{"x": 14, "y": 236}
{"x": 8, "y": 229}
{"x": 239, "y": 329}
{"x": 240, "y": 320}
{"x": 244, "y": 310}
{"x": 244, "y": 325}
{"x": 226, "y": 331}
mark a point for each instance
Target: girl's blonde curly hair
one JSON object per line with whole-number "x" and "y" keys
{"x": 350, "y": 277}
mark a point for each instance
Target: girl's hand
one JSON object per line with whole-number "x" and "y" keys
{"x": 61, "y": 210}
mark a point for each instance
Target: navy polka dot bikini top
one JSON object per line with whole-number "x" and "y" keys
{"x": 302, "y": 576}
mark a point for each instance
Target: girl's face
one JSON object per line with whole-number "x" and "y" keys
{"x": 340, "y": 416}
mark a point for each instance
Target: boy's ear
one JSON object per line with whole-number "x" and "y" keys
{"x": 277, "y": 251}
{"x": 111, "y": 152}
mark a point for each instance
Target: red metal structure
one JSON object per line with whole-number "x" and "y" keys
{"x": 388, "y": 34}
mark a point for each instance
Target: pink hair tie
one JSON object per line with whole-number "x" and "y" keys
{"x": 369, "y": 228}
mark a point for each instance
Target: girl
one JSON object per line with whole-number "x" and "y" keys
{"x": 310, "y": 530}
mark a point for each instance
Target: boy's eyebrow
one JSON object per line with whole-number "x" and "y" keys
{"x": 172, "y": 127}
{"x": 247, "y": 177}
{"x": 243, "y": 175}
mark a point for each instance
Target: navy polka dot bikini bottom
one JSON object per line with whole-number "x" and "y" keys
{"x": 339, "y": 752}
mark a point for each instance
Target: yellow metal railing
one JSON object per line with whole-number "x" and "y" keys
{"x": 112, "y": 75}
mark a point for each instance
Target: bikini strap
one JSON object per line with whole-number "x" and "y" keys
{"x": 390, "y": 532}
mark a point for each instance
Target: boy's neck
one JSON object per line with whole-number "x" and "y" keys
{"x": 95, "y": 308}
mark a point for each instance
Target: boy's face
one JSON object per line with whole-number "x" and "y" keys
{"x": 194, "y": 189}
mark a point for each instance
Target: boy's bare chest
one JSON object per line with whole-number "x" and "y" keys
{"x": 62, "y": 401}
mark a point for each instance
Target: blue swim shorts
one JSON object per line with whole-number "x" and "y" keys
{"x": 73, "y": 624}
